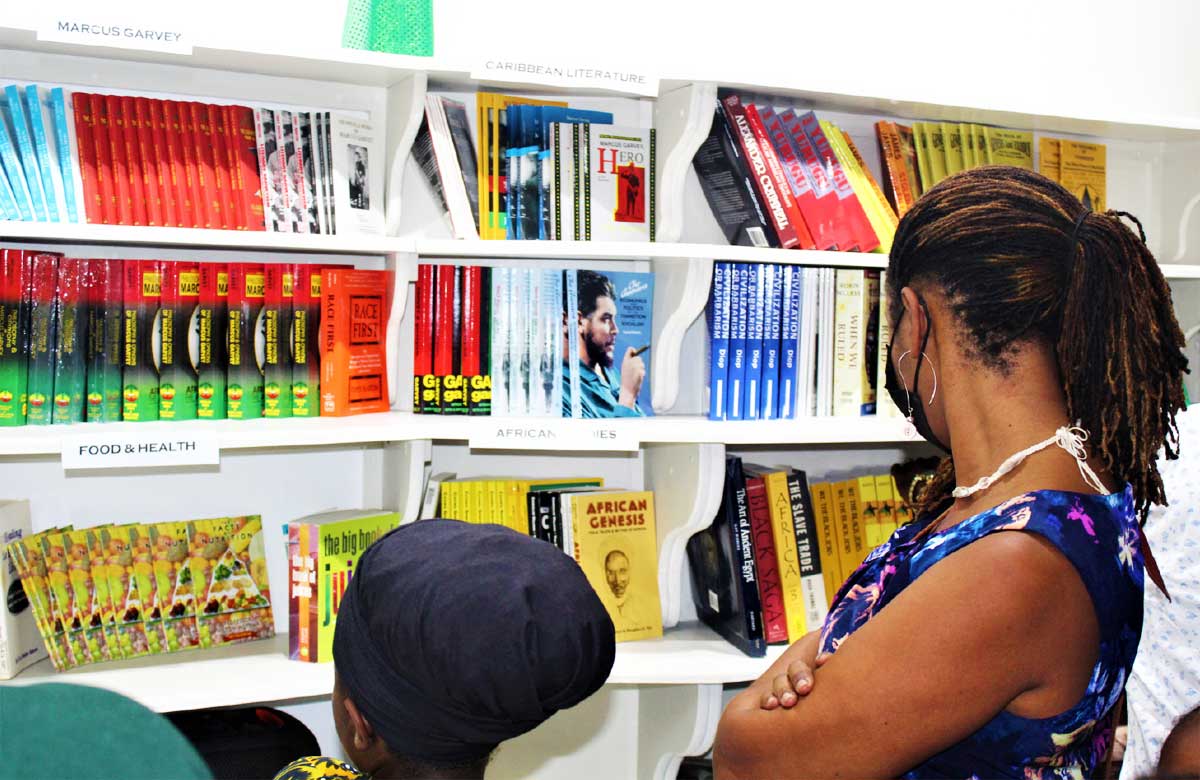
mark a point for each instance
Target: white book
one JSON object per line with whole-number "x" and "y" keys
{"x": 21, "y": 645}
{"x": 433, "y": 494}
{"x": 518, "y": 342}
{"x": 293, "y": 170}
{"x": 535, "y": 333}
{"x": 825, "y": 344}
{"x": 848, "y": 343}
{"x": 358, "y": 167}
{"x": 618, "y": 183}
{"x": 318, "y": 164}
{"x": 458, "y": 201}
{"x": 271, "y": 171}
{"x": 564, "y": 203}
{"x": 806, "y": 403}
{"x": 501, "y": 326}
{"x": 883, "y": 402}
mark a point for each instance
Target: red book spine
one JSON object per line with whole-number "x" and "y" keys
{"x": 772, "y": 196}
{"x": 184, "y": 209}
{"x": 164, "y": 174}
{"x": 423, "y": 336}
{"x": 190, "y": 146}
{"x": 770, "y": 588}
{"x": 823, "y": 188}
{"x": 219, "y": 136}
{"x": 206, "y": 167}
{"x": 151, "y": 184}
{"x": 443, "y": 328}
{"x": 244, "y": 148}
{"x": 133, "y": 164}
{"x": 235, "y": 204}
{"x": 775, "y": 169}
{"x": 81, "y": 106}
{"x": 472, "y": 284}
{"x": 816, "y": 216}
{"x": 867, "y": 240}
{"x": 104, "y": 164}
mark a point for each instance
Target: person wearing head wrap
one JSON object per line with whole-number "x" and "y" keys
{"x": 451, "y": 639}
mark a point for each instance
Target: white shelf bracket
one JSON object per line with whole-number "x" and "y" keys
{"x": 405, "y": 107}
{"x": 682, "y": 119}
{"x": 1185, "y": 222}
{"x": 667, "y": 734}
{"x": 681, "y": 292}
{"x": 687, "y": 480}
{"x": 403, "y": 266}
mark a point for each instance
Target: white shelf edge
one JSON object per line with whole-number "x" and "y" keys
{"x": 637, "y": 250}
{"x": 261, "y": 673}
{"x": 1179, "y": 271}
{"x": 528, "y": 433}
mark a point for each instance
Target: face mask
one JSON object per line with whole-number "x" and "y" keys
{"x": 905, "y": 399}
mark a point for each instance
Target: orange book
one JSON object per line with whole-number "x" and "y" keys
{"x": 896, "y": 183}
{"x": 354, "y": 315}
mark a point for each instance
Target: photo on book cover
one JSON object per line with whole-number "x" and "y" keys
{"x": 607, "y": 372}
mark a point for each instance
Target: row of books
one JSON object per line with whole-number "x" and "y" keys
{"x": 138, "y": 340}
{"x": 126, "y": 591}
{"x": 788, "y": 341}
{"x": 135, "y": 160}
{"x": 532, "y": 342}
{"x": 766, "y": 571}
{"x": 543, "y": 171}
{"x": 1079, "y": 166}
{"x": 609, "y": 532}
{"x": 781, "y": 178}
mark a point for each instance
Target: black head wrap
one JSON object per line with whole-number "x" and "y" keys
{"x": 454, "y": 637}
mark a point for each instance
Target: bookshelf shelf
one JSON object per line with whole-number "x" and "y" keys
{"x": 260, "y": 672}
{"x": 499, "y": 433}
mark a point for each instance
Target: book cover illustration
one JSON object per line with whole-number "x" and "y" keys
{"x": 132, "y": 636}
{"x": 358, "y": 163}
{"x": 1083, "y": 172}
{"x": 229, "y": 578}
{"x": 173, "y": 582}
{"x": 614, "y": 328}
{"x": 619, "y": 183}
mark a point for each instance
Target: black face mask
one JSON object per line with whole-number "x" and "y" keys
{"x": 912, "y": 399}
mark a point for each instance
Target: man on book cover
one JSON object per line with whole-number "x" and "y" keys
{"x": 605, "y": 389}
{"x": 627, "y": 609}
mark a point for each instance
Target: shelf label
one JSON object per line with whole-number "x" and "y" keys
{"x": 139, "y": 450}
{"x": 549, "y": 434}
{"x": 566, "y": 74}
{"x": 83, "y": 25}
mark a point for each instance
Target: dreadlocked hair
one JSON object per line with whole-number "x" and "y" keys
{"x": 1019, "y": 259}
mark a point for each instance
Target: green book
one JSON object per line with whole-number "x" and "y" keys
{"x": 43, "y": 283}
{"x": 14, "y": 335}
{"x": 70, "y": 336}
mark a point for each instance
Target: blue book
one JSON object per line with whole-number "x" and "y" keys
{"x": 572, "y": 406}
{"x": 66, "y": 160}
{"x": 12, "y": 170}
{"x": 738, "y": 304}
{"x": 755, "y": 319}
{"x": 718, "y": 339}
{"x": 789, "y": 341}
{"x": 768, "y": 397}
{"x": 47, "y": 164}
{"x": 547, "y": 115}
{"x": 29, "y": 162}
{"x": 8, "y": 203}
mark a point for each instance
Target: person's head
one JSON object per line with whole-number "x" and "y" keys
{"x": 1180, "y": 755}
{"x": 1000, "y": 273}
{"x": 453, "y": 638}
{"x": 597, "y": 318}
{"x": 616, "y": 572}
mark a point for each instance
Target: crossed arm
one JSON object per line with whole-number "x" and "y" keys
{"x": 1003, "y": 623}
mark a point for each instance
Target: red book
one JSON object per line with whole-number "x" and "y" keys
{"x": 472, "y": 282}
{"x": 355, "y": 306}
{"x": 423, "y": 339}
{"x": 823, "y": 186}
{"x": 856, "y": 217}
{"x": 779, "y": 177}
{"x": 244, "y": 149}
{"x": 164, "y": 174}
{"x": 772, "y": 194}
{"x": 817, "y": 215}
{"x": 770, "y": 588}
{"x": 443, "y": 326}
{"x": 104, "y": 164}
{"x": 234, "y": 204}
{"x": 93, "y": 206}
{"x": 206, "y": 167}
{"x": 219, "y": 143}
{"x": 151, "y": 184}
{"x": 133, "y": 164}
{"x": 190, "y": 146}
{"x": 184, "y": 208}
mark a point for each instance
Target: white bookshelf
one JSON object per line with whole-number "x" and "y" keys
{"x": 664, "y": 696}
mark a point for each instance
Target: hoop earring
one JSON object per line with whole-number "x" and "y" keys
{"x": 907, "y": 397}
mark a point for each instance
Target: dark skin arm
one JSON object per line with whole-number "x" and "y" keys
{"x": 1003, "y": 624}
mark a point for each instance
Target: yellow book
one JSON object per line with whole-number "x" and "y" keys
{"x": 827, "y": 539}
{"x": 879, "y": 212}
{"x": 968, "y": 147}
{"x": 869, "y": 502}
{"x": 783, "y": 532}
{"x": 1049, "y": 163}
{"x": 1084, "y": 173}
{"x": 924, "y": 171}
{"x": 981, "y": 146}
{"x": 617, "y": 548}
{"x": 841, "y": 523}
{"x": 887, "y": 505}
{"x": 1010, "y": 147}
{"x": 902, "y": 511}
{"x": 858, "y": 537}
{"x": 952, "y": 139}
{"x": 937, "y": 151}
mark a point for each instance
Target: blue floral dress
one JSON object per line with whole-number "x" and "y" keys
{"x": 1099, "y": 536}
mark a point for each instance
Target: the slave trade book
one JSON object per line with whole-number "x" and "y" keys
{"x": 616, "y": 546}
{"x": 322, "y": 553}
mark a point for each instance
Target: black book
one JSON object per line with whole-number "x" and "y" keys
{"x": 724, "y": 578}
{"x": 729, "y": 188}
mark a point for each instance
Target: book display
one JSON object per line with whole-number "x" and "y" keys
{"x": 646, "y": 328}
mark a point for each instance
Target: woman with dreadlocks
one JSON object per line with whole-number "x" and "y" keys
{"x": 1035, "y": 343}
